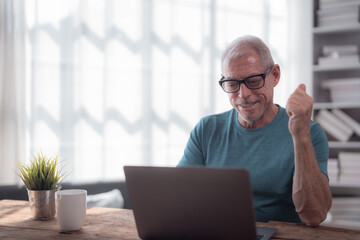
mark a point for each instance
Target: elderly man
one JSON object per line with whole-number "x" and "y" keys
{"x": 285, "y": 152}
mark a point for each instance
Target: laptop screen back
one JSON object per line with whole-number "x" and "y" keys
{"x": 191, "y": 203}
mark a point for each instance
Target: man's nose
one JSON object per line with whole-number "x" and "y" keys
{"x": 244, "y": 91}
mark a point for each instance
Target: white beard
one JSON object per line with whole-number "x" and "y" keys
{"x": 253, "y": 119}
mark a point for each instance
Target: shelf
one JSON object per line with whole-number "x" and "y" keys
{"x": 339, "y": 34}
{"x": 340, "y": 189}
{"x": 330, "y": 105}
{"x": 336, "y": 29}
{"x": 349, "y": 145}
{"x": 336, "y": 67}
{"x": 348, "y": 185}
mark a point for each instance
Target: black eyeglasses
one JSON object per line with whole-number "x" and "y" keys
{"x": 251, "y": 82}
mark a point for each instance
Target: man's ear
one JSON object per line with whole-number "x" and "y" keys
{"x": 276, "y": 74}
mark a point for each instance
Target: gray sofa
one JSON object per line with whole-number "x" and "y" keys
{"x": 18, "y": 192}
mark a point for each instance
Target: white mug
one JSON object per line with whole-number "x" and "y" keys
{"x": 71, "y": 209}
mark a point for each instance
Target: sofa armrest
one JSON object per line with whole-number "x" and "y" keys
{"x": 18, "y": 192}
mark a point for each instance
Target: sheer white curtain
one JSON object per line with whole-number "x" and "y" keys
{"x": 12, "y": 88}
{"x": 300, "y": 49}
{"x": 114, "y": 82}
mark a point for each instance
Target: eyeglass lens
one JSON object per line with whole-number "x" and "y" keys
{"x": 252, "y": 83}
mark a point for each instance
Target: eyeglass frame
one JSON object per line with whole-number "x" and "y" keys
{"x": 263, "y": 75}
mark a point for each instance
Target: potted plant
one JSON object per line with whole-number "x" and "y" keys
{"x": 42, "y": 178}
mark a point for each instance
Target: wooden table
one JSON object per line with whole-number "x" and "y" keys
{"x": 110, "y": 223}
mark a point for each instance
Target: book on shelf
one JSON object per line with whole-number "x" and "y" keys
{"x": 330, "y": 4}
{"x": 343, "y": 90}
{"x": 349, "y": 159}
{"x": 333, "y": 170}
{"x": 345, "y": 211}
{"x": 346, "y": 202}
{"x": 345, "y": 84}
{"x": 343, "y": 98}
{"x": 350, "y": 156}
{"x": 343, "y": 20}
{"x": 338, "y": 13}
{"x": 340, "y": 50}
{"x": 338, "y": 60}
{"x": 349, "y": 168}
{"x": 350, "y": 181}
{"x": 334, "y": 126}
{"x": 349, "y": 213}
{"x": 339, "y": 54}
{"x": 355, "y": 125}
{"x": 347, "y": 178}
{"x": 338, "y": 10}
{"x": 351, "y": 174}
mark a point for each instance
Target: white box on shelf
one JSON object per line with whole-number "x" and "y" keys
{"x": 334, "y": 4}
{"x": 346, "y": 208}
{"x": 342, "y": 83}
{"x": 351, "y": 174}
{"x": 343, "y": 20}
{"x": 333, "y": 125}
{"x": 343, "y": 89}
{"x": 350, "y": 182}
{"x": 336, "y": 60}
{"x": 355, "y": 125}
{"x": 349, "y": 167}
{"x": 338, "y": 11}
{"x": 333, "y": 170}
{"x": 340, "y": 50}
{"x": 351, "y": 159}
{"x": 350, "y": 97}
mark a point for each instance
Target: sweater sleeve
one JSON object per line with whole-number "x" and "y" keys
{"x": 193, "y": 153}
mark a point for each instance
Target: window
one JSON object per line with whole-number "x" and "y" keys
{"x": 113, "y": 83}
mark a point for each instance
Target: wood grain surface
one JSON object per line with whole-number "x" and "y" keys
{"x": 110, "y": 223}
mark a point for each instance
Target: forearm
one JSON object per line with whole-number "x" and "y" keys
{"x": 311, "y": 193}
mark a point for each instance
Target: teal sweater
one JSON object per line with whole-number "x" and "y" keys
{"x": 267, "y": 152}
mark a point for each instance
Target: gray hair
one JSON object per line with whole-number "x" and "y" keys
{"x": 243, "y": 46}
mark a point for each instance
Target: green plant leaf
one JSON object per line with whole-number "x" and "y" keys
{"x": 42, "y": 173}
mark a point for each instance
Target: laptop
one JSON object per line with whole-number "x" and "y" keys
{"x": 193, "y": 203}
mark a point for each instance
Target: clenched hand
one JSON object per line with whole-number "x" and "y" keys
{"x": 299, "y": 109}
